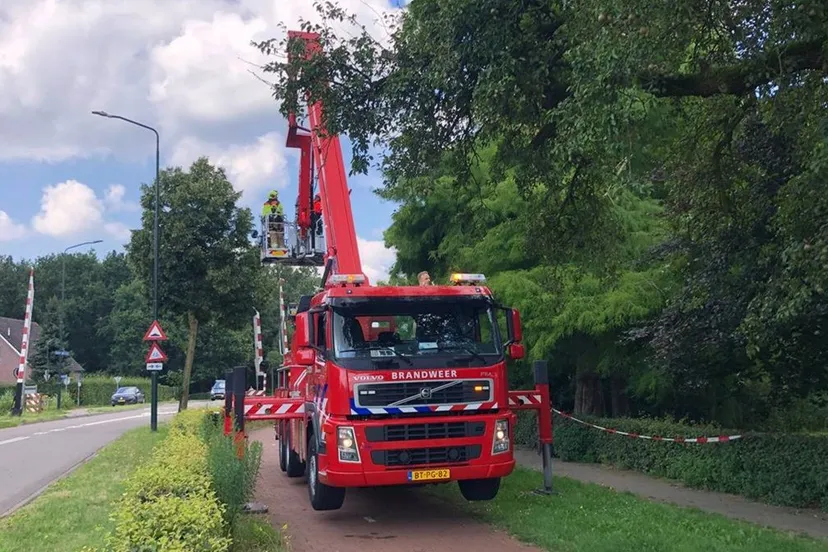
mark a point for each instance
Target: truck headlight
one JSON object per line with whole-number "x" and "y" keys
{"x": 346, "y": 445}
{"x": 500, "y": 442}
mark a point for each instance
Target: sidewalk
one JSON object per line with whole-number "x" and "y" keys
{"x": 809, "y": 522}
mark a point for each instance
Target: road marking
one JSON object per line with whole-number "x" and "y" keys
{"x": 16, "y": 439}
{"x": 59, "y": 429}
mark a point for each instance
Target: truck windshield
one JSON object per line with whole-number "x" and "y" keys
{"x": 424, "y": 332}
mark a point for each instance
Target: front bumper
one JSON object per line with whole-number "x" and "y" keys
{"x": 378, "y": 478}
{"x": 371, "y": 471}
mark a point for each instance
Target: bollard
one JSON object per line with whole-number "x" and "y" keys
{"x": 228, "y": 402}
{"x": 541, "y": 374}
{"x": 239, "y": 384}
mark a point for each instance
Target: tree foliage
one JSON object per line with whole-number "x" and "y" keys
{"x": 648, "y": 180}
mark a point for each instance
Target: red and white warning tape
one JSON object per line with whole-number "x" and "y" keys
{"x": 699, "y": 440}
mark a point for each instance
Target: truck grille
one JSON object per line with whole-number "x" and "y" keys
{"x": 425, "y": 456}
{"x": 414, "y": 432}
{"x": 387, "y": 394}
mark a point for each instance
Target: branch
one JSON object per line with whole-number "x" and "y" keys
{"x": 738, "y": 80}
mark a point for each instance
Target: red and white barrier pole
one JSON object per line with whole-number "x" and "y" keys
{"x": 17, "y": 410}
{"x": 282, "y": 322}
{"x": 259, "y": 350}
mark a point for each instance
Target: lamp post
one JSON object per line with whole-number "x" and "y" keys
{"x": 154, "y": 375}
{"x": 63, "y": 298}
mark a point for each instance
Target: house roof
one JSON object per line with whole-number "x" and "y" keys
{"x": 12, "y": 331}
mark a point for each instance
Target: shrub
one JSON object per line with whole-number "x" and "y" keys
{"x": 169, "y": 504}
{"x": 6, "y": 400}
{"x": 97, "y": 389}
{"x": 233, "y": 478}
{"x": 787, "y": 470}
{"x": 191, "y": 492}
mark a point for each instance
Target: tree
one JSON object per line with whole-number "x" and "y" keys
{"x": 207, "y": 266}
{"x": 715, "y": 107}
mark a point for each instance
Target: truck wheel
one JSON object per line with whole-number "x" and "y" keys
{"x": 322, "y": 497}
{"x": 282, "y": 449}
{"x": 479, "y": 489}
{"x": 294, "y": 466}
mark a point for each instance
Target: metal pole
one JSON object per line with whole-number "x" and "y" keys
{"x": 63, "y": 345}
{"x": 541, "y": 376}
{"x": 154, "y": 375}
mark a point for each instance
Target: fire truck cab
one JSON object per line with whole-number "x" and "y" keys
{"x": 404, "y": 385}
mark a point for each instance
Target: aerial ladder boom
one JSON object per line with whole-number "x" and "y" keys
{"x": 321, "y": 151}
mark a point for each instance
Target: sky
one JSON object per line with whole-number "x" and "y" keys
{"x": 181, "y": 66}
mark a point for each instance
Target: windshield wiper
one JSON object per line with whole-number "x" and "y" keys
{"x": 466, "y": 348}
{"x": 380, "y": 348}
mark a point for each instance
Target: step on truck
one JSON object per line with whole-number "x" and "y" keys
{"x": 384, "y": 385}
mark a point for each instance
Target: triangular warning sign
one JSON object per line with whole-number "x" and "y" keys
{"x": 155, "y": 333}
{"x": 155, "y": 354}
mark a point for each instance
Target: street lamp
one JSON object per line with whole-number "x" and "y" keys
{"x": 154, "y": 393}
{"x": 63, "y": 291}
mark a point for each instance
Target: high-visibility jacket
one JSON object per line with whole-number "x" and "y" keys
{"x": 272, "y": 207}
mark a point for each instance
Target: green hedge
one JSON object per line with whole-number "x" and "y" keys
{"x": 787, "y": 470}
{"x": 188, "y": 496}
{"x": 97, "y": 390}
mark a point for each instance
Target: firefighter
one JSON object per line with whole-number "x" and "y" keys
{"x": 316, "y": 215}
{"x": 274, "y": 215}
{"x": 424, "y": 278}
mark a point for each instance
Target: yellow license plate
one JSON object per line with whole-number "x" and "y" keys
{"x": 429, "y": 475}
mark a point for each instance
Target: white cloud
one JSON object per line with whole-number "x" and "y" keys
{"x": 114, "y": 199}
{"x": 68, "y": 208}
{"x": 376, "y": 259}
{"x": 179, "y": 65}
{"x": 10, "y": 230}
{"x": 118, "y": 230}
{"x": 251, "y": 167}
{"x": 114, "y": 195}
{"x": 71, "y": 207}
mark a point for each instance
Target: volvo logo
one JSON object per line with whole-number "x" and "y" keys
{"x": 425, "y": 393}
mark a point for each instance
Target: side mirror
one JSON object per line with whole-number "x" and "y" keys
{"x": 302, "y": 333}
{"x": 304, "y": 356}
{"x": 516, "y": 351}
{"x": 513, "y": 326}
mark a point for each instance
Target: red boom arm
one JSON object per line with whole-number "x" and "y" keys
{"x": 326, "y": 154}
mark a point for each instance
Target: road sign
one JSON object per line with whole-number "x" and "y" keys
{"x": 61, "y": 353}
{"x": 155, "y": 366}
{"x": 65, "y": 379}
{"x": 155, "y": 333}
{"x": 155, "y": 353}
{"x": 117, "y": 380}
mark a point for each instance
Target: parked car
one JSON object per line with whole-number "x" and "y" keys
{"x": 217, "y": 391}
{"x": 127, "y": 395}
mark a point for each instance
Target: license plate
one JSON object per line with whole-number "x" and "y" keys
{"x": 429, "y": 475}
{"x": 121, "y": 400}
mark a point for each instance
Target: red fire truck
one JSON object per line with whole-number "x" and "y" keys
{"x": 385, "y": 385}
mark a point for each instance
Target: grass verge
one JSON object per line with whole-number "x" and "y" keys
{"x": 74, "y": 511}
{"x": 589, "y": 518}
{"x": 28, "y": 418}
{"x": 255, "y": 534}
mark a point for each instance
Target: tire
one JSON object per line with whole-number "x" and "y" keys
{"x": 322, "y": 497}
{"x": 282, "y": 450}
{"x": 479, "y": 489}
{"x": 294, "y": 466}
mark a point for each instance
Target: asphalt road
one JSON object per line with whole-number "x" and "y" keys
{"x": 34, "y": 455}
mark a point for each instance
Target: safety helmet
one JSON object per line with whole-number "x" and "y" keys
{"x": 273, "y": 194}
